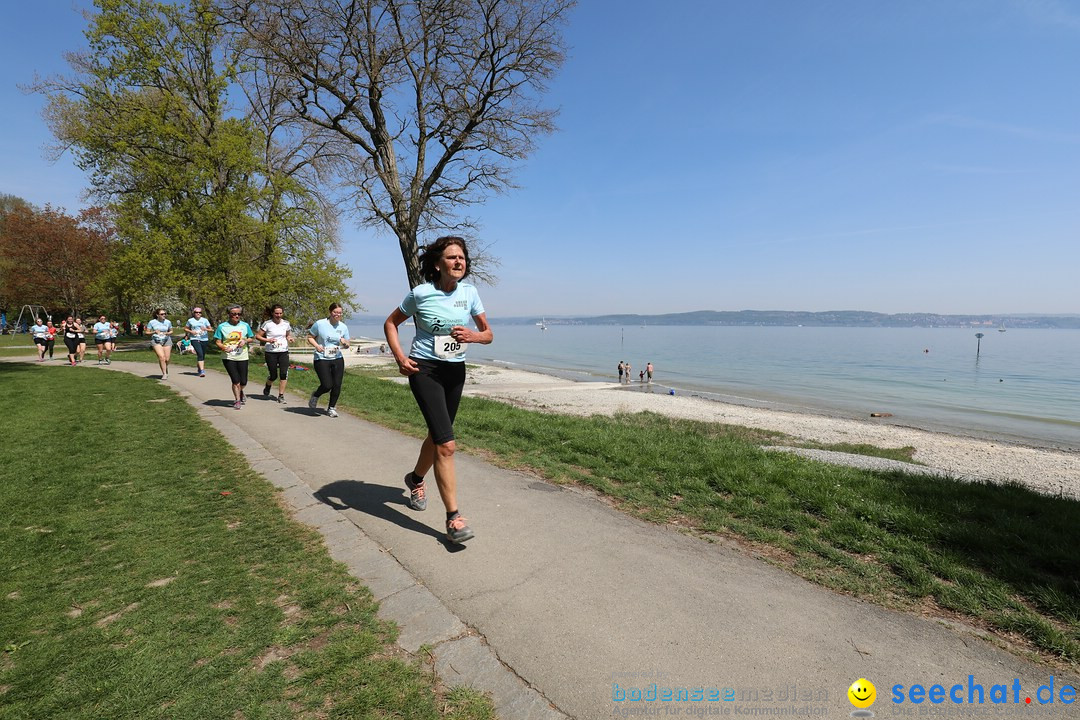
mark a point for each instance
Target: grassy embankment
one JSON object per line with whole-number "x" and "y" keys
{"x": 147, "y": 572}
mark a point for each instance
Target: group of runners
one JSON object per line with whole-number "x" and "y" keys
{"x": 74, "y": 332}
{"x": 441, "y": 309}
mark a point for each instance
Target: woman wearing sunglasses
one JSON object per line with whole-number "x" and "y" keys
{"x": 233, "y": 337}
{"x": 160, "y": 331}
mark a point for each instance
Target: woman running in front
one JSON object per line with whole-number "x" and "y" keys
{"x": 435, "y": 366}
{"x": 71, "y": 338}
{"x": 40, "y": 332}
{"x": 233, "y": 337}
{"x": 277, "y": 334}
{"x": 160, "y": 331}
{"x": 329, "y": 337}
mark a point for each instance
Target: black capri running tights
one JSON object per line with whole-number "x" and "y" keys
{"x": 238, "y": 371}
{"x": 200, "y": 349}
{"x": 277, "y": 361}
{"x": 437, "y": 389}
{"x": 330, "y": 373}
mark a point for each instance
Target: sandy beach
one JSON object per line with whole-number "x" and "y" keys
{"x": 1051, "y": 472}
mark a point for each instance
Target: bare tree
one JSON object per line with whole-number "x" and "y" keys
{"x": 424, "y": 105}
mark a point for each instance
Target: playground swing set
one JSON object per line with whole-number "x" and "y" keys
{"x": 27, "y": 315}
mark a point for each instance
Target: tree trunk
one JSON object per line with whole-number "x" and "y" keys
{"x": 411, "y": 255}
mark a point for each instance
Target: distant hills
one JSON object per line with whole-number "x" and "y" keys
{"x": 831, "y": 318}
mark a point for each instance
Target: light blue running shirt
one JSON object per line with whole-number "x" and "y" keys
{"x": 102, "y": 330}
{"x": 160, "y": 328}
{"x": 329, "y": 337}
{"x": 198, "y": 327}
{"x": 436, "y": 313}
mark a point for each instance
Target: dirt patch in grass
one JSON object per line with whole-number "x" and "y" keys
{"x": 111, "y": 618}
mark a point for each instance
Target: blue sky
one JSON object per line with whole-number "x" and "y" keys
{"x": 906, "y": 156}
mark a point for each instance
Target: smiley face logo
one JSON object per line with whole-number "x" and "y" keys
{"x": 862, "y": 693}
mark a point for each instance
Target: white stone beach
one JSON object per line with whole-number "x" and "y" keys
{"x": 1053, "y": 472}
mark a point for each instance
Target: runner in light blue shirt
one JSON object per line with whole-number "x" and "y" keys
{"x": 435, "y": 366}
{"x": 160, "y": 331}
{"x": 329, "y": 337}
{"x": 41, "y": 338}
{"x": 102, "y": 334}
{"x": 196, "y": 328}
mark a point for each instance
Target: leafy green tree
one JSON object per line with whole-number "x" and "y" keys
{"x": 198, "y": 210}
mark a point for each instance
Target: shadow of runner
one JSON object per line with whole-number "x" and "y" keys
{"x": 378, "y": 501}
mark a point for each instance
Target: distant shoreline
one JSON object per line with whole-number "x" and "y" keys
{"x": 796, "y": 318}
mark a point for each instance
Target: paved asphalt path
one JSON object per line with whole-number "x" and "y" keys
{"x": 586, "y": 606}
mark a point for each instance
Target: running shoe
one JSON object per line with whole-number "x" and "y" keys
{"x": 331, "y": 412}
{"x": 243, "y": 398}
{"x": 266, "y": 390}
{"x": 165, "y": 376}
{"x": 313, "y": 401}
{"x": 417, "y": 493}
{"x": 108, "y": 361}
{"x": 281, "y": 399}
{"x": 237, "y": 405}
{"x": 202, "y": 373}
{"x": 458, "y": 530}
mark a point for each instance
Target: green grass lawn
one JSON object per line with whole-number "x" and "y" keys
{"x": 147, "y": 572}
{"x": 16, "y": 345}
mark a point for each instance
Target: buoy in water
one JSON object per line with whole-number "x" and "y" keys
{"x": 670, "y": 392}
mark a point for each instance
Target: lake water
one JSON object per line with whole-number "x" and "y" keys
{"x": 1023, "y": 385}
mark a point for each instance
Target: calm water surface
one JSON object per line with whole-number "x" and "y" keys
{"x": 1023, "y": 384}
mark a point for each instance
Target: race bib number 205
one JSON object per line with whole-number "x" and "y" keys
{"x": 447, "y": 348}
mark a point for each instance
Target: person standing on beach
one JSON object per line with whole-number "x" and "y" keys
{"x": 622, "y": 369}
{"x": 160, "y": 331}
{"x": 232, "y": 338}
{"x": 277, "y": 334}
{"x": 197, "y": 329}
{"x": 329, "y": 337}
{"x": 648, "y": 372}
{"x": 435, "y": 366}
{"x": 626, "y": 371}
